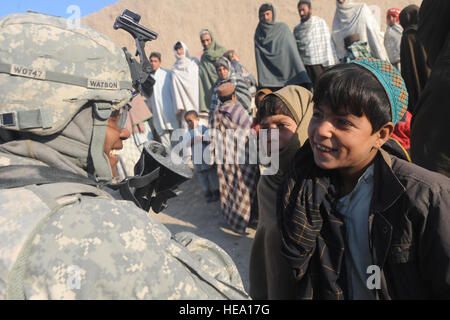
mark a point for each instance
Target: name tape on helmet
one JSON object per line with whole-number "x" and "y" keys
{"x": 27, "y": 72}
{"x": 103, "y": 84}
{"x": 40, "y": 74}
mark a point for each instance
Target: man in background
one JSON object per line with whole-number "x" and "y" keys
{"x": 277, "y": 59}
{"x": 161, "y": 102}
{"x": 208, "y": 76}
{"x": 313, "y": 41}
{"x": 185, "y": 81}
{"x": 356, "y": 18}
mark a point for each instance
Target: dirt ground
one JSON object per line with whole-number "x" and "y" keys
{"x": 190, "y": 212}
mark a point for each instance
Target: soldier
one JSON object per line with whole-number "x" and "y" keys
{"x": 63, "y": 234}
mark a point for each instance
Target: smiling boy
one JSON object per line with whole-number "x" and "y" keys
{"x": 349, "y": 207}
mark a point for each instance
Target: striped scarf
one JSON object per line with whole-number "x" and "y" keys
{"x": 311, "y": 231}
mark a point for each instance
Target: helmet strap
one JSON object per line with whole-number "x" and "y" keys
{"x": 101, "y": 112}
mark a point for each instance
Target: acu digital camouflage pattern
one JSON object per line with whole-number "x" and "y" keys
{"x": 46, "y": 44}
{"x": 73, "y": 240}
{"x": 118, "y": 251}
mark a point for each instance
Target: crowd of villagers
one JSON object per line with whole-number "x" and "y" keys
{"x": 362, "y": 150}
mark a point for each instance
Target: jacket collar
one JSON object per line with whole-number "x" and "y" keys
{"x": 387, "y": 187}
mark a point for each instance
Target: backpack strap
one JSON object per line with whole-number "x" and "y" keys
{"x": 39, "y": 179}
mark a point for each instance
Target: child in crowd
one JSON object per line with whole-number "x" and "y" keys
{"x": 259, "y": 96}
{"x": 356, "y": 221}
{"x": 289, "y": 111}
{"x": 356, "y": 49}
{"x": 207, "y": 174}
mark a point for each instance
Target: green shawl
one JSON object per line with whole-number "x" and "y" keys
{"x": 277, "y": 59}
{"x": 207, "y": 72}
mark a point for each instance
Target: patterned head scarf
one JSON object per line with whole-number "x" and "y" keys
{"x": 394, "y": 12}
{"x": 392, "y": 82}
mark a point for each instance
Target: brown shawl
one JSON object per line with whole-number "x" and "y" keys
{"x": 270, "y": 275}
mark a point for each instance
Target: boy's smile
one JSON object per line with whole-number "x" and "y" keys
{"x": 342, "y": 141}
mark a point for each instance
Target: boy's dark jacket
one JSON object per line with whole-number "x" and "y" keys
{"x": 409, "y": 235}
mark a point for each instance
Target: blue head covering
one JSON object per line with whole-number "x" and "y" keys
{"x": 392, "y": 82}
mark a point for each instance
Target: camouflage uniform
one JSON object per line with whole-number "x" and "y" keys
{"x": 70, "y": 240}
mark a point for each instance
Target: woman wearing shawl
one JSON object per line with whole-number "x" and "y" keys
{"x": 185, "y": 81}
{"x": 229, "y": 75}
{"x": 356, "y": 18}
{"x": 270, "y": 275}
{"x": 393, "y": 36}
{"x": 429, "y": 129}
{"x": 415, "y": 71}
{"x": 278, "y": 62}
{"x": 207, "y": 70}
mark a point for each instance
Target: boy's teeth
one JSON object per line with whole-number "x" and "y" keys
{"x": 322, "y": 148}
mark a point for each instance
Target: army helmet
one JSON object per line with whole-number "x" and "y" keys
{"x": 50, "y": 69}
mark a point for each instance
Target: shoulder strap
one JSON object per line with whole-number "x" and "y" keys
{"x": 16, "y": 176}
{"x": 135, "y": 189}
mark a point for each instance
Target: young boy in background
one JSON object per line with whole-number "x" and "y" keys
{"x": 207, "y": 174}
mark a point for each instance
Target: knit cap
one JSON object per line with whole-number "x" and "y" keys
{"x": 395, "y": 12}
{"x": 392, "y": 82}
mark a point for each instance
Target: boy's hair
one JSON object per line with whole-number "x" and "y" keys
{"x": 265, "y": 7}
{"x": 191, "y": 112}
{"x": 226, "y": 98}
{"x": 156, "y": 55}
{"x": 272, "y": 105}
{"x": 355, "y": 90}
{"x": 178, "y": 45}
{"x": 351, "y": 39}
